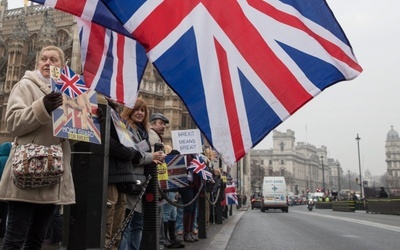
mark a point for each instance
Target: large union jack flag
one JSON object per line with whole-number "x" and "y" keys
{"x": 241, "y": 66}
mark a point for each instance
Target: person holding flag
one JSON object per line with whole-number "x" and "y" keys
{"x": 29, "y": 119}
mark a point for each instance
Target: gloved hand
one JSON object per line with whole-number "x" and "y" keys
{"x": 100, "y": 115}
{"x": 52, "y": 101}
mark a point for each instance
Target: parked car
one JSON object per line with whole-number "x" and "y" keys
{"x": 255, "y": 201}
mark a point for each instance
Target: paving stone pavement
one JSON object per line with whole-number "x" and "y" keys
{"x": 217, "y": 238}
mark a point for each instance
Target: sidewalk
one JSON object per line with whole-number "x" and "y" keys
{"x": 218, "y": 235}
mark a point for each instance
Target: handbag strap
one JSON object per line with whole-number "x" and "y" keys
{"x": 16, "y": 141}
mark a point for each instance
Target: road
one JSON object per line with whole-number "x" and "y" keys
{"x": 315, "y": 230}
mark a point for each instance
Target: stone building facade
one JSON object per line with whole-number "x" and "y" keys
{"x": 392, "y": 149}
{"x": 25, "y": 31}
{"x": 304, "y": 166}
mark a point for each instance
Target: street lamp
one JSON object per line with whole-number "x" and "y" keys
{"x": 339, "y": 173}
{"x": 348, "y": 172}
{"x": 323, "y": 172}
{"x": 359, "y": 164}
{"x": 259, "y": 178}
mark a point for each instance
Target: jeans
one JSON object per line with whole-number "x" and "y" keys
{"x": 132, "y": 235}
{"x": 195, "y": 226}
{"x": 179, "y": 216}
{"x": 27, "y": 225}
{"x": 169, "y": 211}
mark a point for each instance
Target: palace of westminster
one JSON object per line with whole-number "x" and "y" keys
{"x": 24, "y": 31}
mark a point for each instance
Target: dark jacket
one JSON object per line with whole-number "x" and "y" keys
{"x": 121, "y": 160}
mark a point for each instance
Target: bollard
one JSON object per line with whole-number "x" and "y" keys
{"x": 218, "y": 211}
{"x": 202, "y": 220}
{"x": 84, "y": 223}
{"x": 151, "y": 217}
{"x": 239, "y": 205}
{"x": 225, "y": 211}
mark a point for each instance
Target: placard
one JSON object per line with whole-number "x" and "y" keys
{"x": 187, "y": 141}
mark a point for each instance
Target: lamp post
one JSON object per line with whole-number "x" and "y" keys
{"x": 323, "y": 173}
{"x": 348, "y": 173}
{"x": 259, "y": 178}
{"x": 339, "y": 173}
{"x": 359, "y": 164}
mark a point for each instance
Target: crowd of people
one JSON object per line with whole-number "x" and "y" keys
{"x": 29, "y": 217}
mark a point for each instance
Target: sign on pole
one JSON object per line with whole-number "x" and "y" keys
{"x": 187, "y": 141}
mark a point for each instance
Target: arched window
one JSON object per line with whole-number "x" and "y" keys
{"x": 62, "y": 38}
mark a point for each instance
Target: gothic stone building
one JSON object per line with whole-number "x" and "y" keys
{"x": 25, "y": 31}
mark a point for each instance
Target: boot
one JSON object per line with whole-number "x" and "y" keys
{"x": 175, "y": 243}
{"x": 192, "y": 218}
{"x": 194, "y": 237}
{"x": 187, "y": 228}
{"x": 167, "y": 241}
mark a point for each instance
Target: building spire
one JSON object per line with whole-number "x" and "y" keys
{"x": 48, "y": 31}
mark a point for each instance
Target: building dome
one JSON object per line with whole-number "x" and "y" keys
{"x": 392, "y": 135}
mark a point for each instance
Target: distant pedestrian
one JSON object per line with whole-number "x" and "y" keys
{"x": 382, "y": 193}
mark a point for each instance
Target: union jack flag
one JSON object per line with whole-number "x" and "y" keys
{"x": 241, "y": 66}
{"x": 70, "y": 83}
{"x": 198, "y": 166}
{"x": 114, "y": 67}
{"x": 230, "y": 195}
{"x": 177, "y": 174}
{"x": 113, "y": 64}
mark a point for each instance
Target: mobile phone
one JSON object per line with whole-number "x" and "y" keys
{"x": 158, "y": 147}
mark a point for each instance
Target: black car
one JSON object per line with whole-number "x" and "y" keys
{"x": 255, "y": 201}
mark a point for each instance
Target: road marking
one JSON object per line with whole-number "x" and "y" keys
{"x": 361, "y": 222}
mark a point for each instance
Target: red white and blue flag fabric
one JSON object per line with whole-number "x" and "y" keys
{"x": 111, "y": 67}
{"x": 113, "y": 64}
{"x": 70, "y": 83}
{"x": 240, "y": 66}
{"x": 198, "y": 166}
{"x": 174, "y": 175}
{"x": 230, "y": 195}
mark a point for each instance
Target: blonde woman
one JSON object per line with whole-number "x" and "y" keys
{"x": 28, "y": 118}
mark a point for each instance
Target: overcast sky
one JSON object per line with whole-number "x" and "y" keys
{"x": 368, "y": 105}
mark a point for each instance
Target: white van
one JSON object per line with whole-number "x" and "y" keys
{"x": 274, "y": 194}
